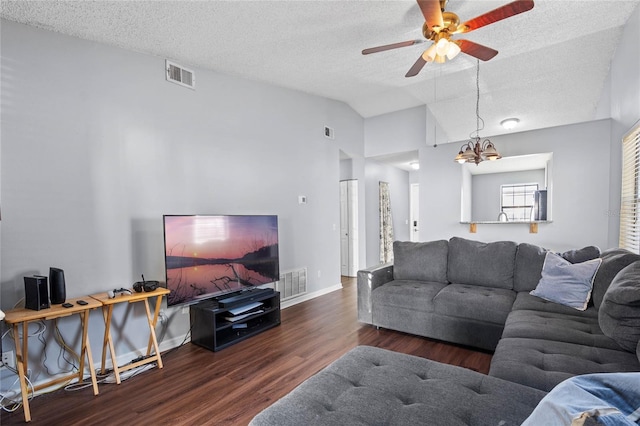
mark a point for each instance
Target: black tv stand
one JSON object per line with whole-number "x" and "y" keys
{"x": 214, "y": 326}
{"x": 243, "y": 296}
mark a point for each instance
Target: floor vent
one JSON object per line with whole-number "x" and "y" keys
{"x": 292, "y": 284}
{"x": 180, "y": 75}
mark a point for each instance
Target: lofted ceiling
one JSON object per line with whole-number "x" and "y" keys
{"x": 551, "y": 69}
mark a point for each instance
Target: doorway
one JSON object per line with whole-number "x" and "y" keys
{"x": 349, "y": 228}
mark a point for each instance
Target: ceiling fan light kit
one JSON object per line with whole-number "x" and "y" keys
{"x": 440, "y": 25}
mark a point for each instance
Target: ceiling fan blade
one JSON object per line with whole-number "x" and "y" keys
{"x": 415, "y": 69}
{"x": 504, "y": 12}
{"x": 476, "y": 50}
{"x": 432, "y": 12}
{"x": 391, "y": 46}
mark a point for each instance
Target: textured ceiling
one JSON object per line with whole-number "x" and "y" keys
{"x": 550, "y": 71}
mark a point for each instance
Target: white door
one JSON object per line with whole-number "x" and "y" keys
{"x": 349, "y": 228}
{"x": 414, "y": 200}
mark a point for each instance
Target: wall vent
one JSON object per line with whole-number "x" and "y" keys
{"x": 180, "y": 75}
{"x": 328, "y": 132}
{"x": 292, "y": 284}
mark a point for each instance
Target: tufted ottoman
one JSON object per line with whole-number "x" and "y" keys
{"x": 372, "y": 386}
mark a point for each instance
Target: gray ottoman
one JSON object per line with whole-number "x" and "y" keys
{"x": 372, "y": 386}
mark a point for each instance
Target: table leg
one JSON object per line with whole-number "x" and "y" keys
{"x": 105, "y": 339}
{"x": 86, "y": 347}
{"x": 152, "y": 329}
{"x": 108, "y": 341}
{"x": 25, "y": 346}
{"x": 21, "y": 353}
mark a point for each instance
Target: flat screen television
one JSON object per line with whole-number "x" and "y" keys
{"x": 210, "y": 255}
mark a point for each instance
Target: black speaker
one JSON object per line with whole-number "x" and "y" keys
{"x": 36, "y": 295}
{"x": 56, "y": 286}
{"x": 143, "y": 286}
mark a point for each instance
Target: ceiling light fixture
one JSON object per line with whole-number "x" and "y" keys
{"x": 444, "y": 48}
{"x": 476, "y": 151}
{"x": 415, "y": 165}
{"x": 509, "y": 123}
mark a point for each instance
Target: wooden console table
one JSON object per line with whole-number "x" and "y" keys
{"x": 107, "y": 311}
{"x": 22, "y": 316}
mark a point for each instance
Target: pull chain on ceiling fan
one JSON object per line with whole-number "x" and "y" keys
{"x": 440, "y": 25}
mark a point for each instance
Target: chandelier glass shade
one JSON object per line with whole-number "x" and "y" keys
{"x": 444, "y": 48}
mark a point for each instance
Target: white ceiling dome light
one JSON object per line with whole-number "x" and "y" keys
{"x": 509, "y": 123}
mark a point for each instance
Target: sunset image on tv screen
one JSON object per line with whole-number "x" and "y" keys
{"x": 209, "y": 255}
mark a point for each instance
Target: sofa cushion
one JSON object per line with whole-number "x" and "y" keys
{"x": 486, "y": 304}
{"x": 619, "y": 313}
{"x": 528, "y": 268}
{"x": 373, "y": 386}
{"x": 420, "y": 261}
{"x": 557, "y": 327}
{"x": 415, "y": 295}
{"x": 581, "y": 255}
{"x": 613, "y": 261}
{"x": 485, "y": 264}
{"x": 525, "y": 301}
{"x": 542, "y": 364}
{"x": 566, "y": 283}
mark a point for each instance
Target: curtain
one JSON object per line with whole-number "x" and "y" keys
{"x": 386, "y": 224}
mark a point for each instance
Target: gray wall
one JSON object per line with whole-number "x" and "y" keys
{"x": 486, "y": 190}
{"x": 97, "y": 146}
{"x": 580, "y": 188}
{"x": 399, "y": 131}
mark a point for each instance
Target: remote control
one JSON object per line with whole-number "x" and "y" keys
{"x": 67, "y": 305}
{"x": 81, "y": 302}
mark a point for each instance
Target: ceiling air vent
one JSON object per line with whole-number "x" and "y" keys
{"x": 180, "y": 75}
{"x": 328, "y": 132}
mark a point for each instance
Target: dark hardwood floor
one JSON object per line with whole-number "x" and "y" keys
{"x": 197, "y": 386}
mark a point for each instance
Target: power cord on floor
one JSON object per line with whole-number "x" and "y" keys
{"x": 16, "y": 404}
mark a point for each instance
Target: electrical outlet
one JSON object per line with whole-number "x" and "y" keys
{"x": 8, "y": 359}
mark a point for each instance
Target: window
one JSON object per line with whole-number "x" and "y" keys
{"x": 630, "y": 197}
{"x": 517, "y": 200}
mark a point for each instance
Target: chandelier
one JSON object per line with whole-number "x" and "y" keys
{"x": 476, "y": 150}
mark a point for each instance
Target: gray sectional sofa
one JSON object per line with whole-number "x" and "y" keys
{"x": 476, "y": 294}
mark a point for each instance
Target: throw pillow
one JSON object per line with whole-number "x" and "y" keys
{"x": 566, "y": 283}
{"x": 619, "y": 313}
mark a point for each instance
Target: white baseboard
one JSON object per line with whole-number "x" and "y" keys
{"x": 309, "y": 296}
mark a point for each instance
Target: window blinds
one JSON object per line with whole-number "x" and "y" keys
{"x": 630, "y": 192}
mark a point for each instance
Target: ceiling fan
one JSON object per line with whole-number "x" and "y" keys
{"x": 440, "y": 25}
